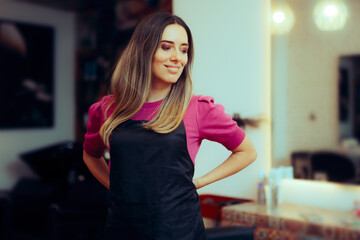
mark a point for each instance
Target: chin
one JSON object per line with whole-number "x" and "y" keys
{"x": 172, "y": 80}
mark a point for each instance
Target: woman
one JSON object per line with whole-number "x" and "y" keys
{"x": 153, "y": 127}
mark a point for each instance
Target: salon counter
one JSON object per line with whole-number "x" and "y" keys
{"x": 292, "y": 221}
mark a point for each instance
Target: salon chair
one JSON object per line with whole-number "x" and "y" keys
{"x": 82, "y": 215}
{"x": 64, "y": 202}
{"x": 326, "y": 165}
{"x": 337, "y": 167}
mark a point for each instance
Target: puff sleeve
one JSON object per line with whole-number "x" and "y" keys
{"x": 93, "y": 143}
{"x": 215, "y": 125}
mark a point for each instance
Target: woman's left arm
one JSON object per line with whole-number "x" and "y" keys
{"x": 241, "y": 157}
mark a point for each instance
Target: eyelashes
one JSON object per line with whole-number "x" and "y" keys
{"x": 168, "y": 47}
{"x": 165, "y": 46}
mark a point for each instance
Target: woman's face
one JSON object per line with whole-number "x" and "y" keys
{"x": 171, "y": 56}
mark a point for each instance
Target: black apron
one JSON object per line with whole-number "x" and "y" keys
{"x": 152, "y": 195}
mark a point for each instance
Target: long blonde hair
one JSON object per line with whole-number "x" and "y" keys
{"x": 131, "y": 79}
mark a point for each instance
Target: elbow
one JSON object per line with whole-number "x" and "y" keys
{"x": 86, "y": 157}
{"x": 249, "y": 156}
{"x": 254, "y": 155}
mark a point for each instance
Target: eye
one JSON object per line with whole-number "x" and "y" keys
{"x": 185, "y": 50}
{"x": 165, "y": 46}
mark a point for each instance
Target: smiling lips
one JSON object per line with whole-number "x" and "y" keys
{"x": 172, "y": 69}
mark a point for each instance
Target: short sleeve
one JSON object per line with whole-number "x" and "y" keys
{"x": 93, "y": 143}
{"x": 216, "y": 125}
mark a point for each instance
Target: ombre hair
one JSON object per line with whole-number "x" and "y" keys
{"x": 131, "y": 79}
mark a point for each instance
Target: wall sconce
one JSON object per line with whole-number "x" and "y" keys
{"x": 282, "y": 19}
{"x": 330, "y": 15}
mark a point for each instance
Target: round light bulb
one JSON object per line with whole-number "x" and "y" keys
{"x": 330, "y": 15}
{"x": 330, "y": 11}
{"x": 282, "y": 19}
{"x": 278, "y": 17}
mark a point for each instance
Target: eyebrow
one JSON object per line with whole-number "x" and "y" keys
{"x": 167, "y": 41}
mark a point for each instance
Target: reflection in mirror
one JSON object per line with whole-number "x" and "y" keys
{"x": 349, "y": 97}
{"x": 305, "y": 82}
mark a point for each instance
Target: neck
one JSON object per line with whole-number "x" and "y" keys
{"x": 158, "y": 92}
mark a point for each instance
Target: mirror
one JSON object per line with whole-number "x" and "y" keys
{"x": 349, "y": 97}
{"x": 305, "y": 80}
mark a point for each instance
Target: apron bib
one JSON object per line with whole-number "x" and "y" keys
{"x": 152, "y": 195}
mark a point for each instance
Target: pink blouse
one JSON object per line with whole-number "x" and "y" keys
{"x": 203, "y": 119}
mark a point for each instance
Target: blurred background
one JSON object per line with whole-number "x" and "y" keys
{"x": 292, "y": 66}
{"x": 56, "y": 60}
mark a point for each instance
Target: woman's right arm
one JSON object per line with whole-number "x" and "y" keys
{"x": 93, "y": 147}
{"x": 98, "y": 167}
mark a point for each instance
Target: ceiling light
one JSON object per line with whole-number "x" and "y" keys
{"x": 282, "y": 19}
{"x": 330, "y": 15}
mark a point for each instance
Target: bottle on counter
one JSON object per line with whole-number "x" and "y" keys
{"x": 261, "y": 200}
{"x": 272, "y": 190}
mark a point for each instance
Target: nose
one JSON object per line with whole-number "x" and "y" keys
{"x": 176, "y": 55}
